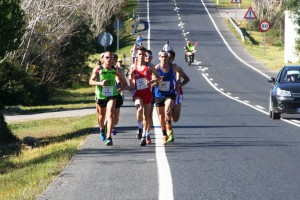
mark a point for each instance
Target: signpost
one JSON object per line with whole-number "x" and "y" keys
{"x": 250, "y": 15}
{"x": 118, "y": 25}
{"x": 264, "y": 27}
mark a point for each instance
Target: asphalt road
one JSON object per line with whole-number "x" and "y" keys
{"x": 226, "y": 146}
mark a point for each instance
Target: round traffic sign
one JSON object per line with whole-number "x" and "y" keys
{"x": 264, "y": 25}
{"x": 105, "y": 39}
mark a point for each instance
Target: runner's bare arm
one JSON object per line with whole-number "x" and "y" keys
{"x": 122, "y": 79}
{"x": 131, "y": 79}
{"x": 181, "y": 74}
{"x": 94, "y": 77}
{"x": 155, "y": 76}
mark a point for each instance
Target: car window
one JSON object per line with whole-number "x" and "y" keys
{"x": 290, "y": 75}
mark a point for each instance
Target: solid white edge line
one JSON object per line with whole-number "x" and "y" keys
{"x": 165, "y": 188}
{"x": 163, "y": 168}
{"x": 227, "y": 45}
{"x": 241, "y": 60}
{"x": 243, "y": 102}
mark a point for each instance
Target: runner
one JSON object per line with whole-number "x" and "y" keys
{"x": 120, "y": 98}
{"x": 103, "y": 77}
{"x": 148, "y": 59}
{"x": 179, "y": 96}
{"x": 167, "y": 47}
{"x": 133, "y": 53}
{"x": 140, "y": 82}
{"x": 165, "y": 94}
{"x": 139, "y": 40}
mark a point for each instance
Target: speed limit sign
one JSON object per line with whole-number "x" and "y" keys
{"x": 264, "y": 25}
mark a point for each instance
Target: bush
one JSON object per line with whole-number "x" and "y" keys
{"x": 16, "y": 86}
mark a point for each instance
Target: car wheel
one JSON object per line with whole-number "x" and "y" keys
{"x": 270, "y": 107}
{"x": 275, "y": 115}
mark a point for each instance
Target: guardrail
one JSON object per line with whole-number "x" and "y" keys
{"x": 237, "y": 28}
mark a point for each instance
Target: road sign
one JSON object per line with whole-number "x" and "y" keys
{"x": 105, "y": 39}
{"x": 250, "y": 14}
{"x": 264, "y": 25}
{"x": 236, "y": 1}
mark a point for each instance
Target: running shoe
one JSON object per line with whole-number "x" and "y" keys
{"x": 148, "y": 139}
{"x": 109, "y": 142}
{"x": 170, "y": 138}
{"x": 114, "y": 132}
{"x": 143, "y": 142}
{"x": 169, "y": 130}
{"x": 102, "y": 135}
{"x": 165, "y": 139}
{"x": 139, "y": 133}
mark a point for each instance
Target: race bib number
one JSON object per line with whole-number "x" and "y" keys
{"x": 107, "y": 91}
{"x": 141, "y": 83}
{"x": 164, "y": 86}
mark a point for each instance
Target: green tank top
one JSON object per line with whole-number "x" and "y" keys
{"x": 102, "y": 92}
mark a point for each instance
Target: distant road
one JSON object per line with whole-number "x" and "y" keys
{"x": 53, "y": 114}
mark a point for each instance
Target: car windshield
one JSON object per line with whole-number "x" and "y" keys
{"x": 291, "y": 75}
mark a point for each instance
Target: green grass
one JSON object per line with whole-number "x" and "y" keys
{"x": 27, "y": 173}
{"x": 269, "y": 55}
{"x": 63, "y": 100}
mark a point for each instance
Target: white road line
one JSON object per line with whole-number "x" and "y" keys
{"x": 241, "y": 60}
{"x": 233, "y": 98}
{"x": 260, "y": 107}
{"x": 227, "y": 45}
{"x": 296, "y": 121}
{"x": 243, "y": 102}
{"x": 163, "y": 168}
{"x": 165, "y": 189}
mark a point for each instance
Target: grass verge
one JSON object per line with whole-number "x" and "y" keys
{"x": 270, "y": 55}
{"x": 27, "y": 174}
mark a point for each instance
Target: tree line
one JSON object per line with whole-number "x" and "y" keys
{"x": 45, "y": 45}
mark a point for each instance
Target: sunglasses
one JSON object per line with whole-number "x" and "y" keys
{"x": 107, "y": 57}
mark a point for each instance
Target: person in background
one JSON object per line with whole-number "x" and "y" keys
{"x": 148, "y": 59}
{"x": 139, "y": 40}
{"x": 133, "y": 53}
{"x": 167, "y": 47}
{"x": 120, "y": 98}
{"x": 189, "y": 48}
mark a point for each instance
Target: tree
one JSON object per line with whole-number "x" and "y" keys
{"x": 11, "y": 32}
{"x": 12, "y": 25}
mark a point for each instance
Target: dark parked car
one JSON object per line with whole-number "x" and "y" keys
{"x": 285, "y": 92}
